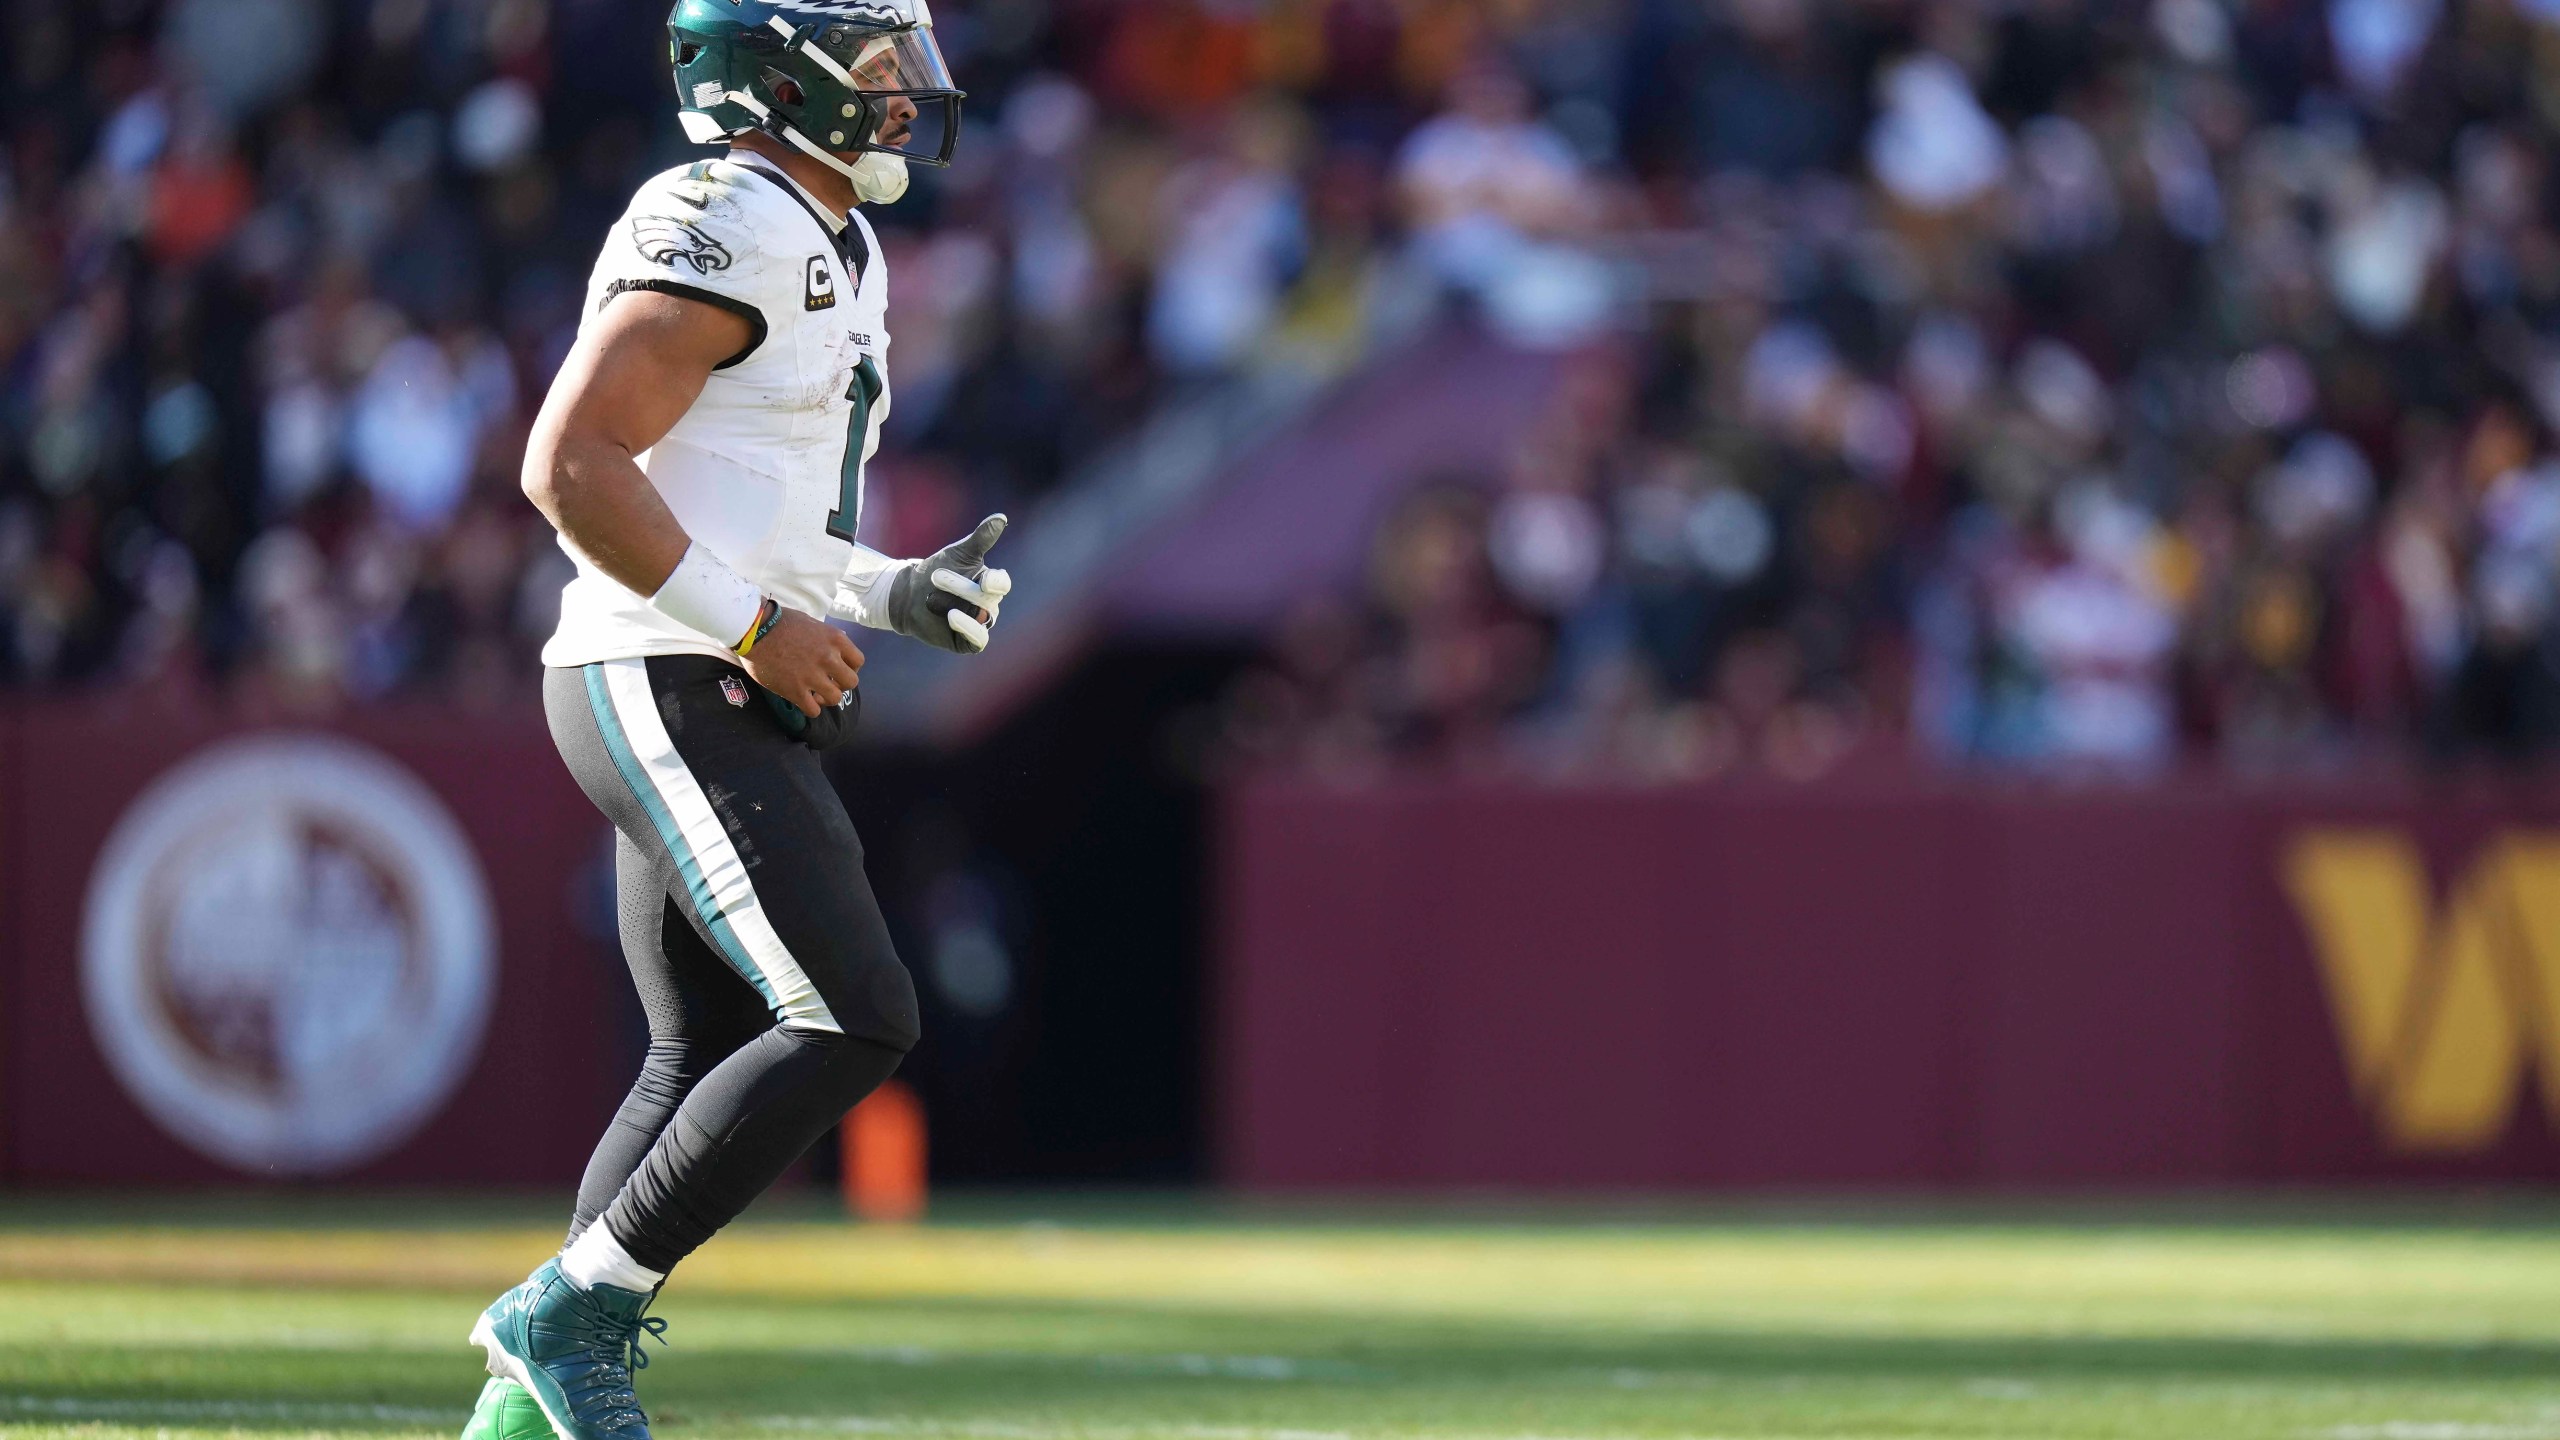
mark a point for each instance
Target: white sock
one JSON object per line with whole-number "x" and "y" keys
{"x": 599, "y": 1259}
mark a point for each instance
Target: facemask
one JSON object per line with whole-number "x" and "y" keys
{"x": 879, "y": 178}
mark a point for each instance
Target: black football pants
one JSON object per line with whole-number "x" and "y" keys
{"x": 774, "y": 999}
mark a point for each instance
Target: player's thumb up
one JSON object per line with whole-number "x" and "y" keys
{"x": 971, "y": 553}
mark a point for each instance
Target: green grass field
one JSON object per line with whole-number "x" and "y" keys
{"x": 1023, "y": 1322}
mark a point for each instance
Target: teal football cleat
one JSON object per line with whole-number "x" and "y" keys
{"x": 573, "y": 1351}
{"x": 506, "y": 1412}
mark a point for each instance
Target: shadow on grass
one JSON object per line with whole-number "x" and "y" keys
{"x": 1129, "y": 1362}
{"x": 2381, "y": 1209}
{"x": 1480, "y": 1346}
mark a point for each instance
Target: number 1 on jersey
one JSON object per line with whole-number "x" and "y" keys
{"x": 847, "y": 516}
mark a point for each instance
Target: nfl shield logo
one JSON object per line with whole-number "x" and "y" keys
{"x": 734, "y": 688}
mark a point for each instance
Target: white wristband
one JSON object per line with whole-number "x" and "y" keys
{"x": 706, "y": 595}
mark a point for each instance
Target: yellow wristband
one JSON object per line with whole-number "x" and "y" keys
{"x": 766, "y": 614}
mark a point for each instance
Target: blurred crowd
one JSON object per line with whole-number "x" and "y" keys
{"x": 2068, "y": 383}
{"x": 2093, "y": 387}
{"x": 282, "y": 281}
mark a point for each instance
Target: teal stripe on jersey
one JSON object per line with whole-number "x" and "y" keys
{"x": 636, "y": 775}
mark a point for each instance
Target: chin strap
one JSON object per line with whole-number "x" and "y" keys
{"x": 790, "y": 135}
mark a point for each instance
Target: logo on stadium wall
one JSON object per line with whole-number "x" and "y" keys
{"x": 287, "y": 953}
{"x": 2443, "y": 1013}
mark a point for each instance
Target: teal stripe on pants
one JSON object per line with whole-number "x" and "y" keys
{"x": 636, "y": 775}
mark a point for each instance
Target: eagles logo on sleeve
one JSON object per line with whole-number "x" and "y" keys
{"x": 665, "y": 240}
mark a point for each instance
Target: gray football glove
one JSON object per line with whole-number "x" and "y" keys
{"x": 937, "y": 599}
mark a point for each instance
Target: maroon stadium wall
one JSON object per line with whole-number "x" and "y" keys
{"x": 377, "y": 951}
{"x": 1443, "y": 985}
{"x": 364, "y": 951}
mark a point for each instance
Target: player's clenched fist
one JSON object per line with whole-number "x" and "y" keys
{"x": 808, "y": 662}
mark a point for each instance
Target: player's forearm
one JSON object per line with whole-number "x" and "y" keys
{"x": 595, "y": 495}
{"x": 601, "y": 503}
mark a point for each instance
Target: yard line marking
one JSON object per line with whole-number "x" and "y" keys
{"x": 1221, "y": 1367}
{"x": 1229, "y": 1367}
{"x": 70, "y": 1408}
{"x": 78, "y": 1409}
{"x": 1015, "y": 1430}
{"x": 2443, "y": 1431}
{"x": 1010, "y": 1430}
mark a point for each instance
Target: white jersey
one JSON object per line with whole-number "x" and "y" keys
{"x": 765, "y": 470}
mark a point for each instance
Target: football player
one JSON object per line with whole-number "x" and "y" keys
{"x": 701, "y": 454}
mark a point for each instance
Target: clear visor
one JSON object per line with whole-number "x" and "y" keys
{"x": 920, "y": 127}
{"x": 896, "y": 60}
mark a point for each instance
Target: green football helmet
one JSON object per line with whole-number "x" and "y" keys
{"x": 817, "y": 75}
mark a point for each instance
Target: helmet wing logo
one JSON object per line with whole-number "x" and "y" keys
{"x": 871, "y": 10}
{"x": 665, "y": 240}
